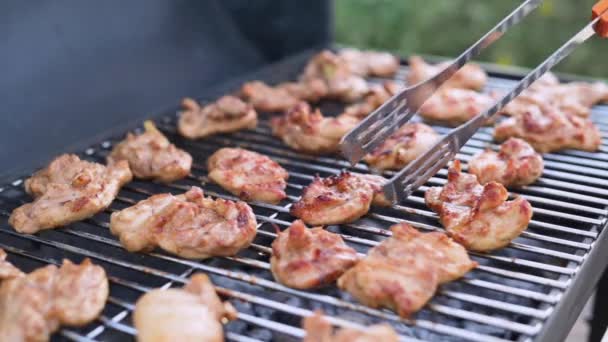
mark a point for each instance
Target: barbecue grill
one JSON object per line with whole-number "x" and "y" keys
{"x": 531, "y": 290}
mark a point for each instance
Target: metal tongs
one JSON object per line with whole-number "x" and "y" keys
{"x": 393, "y": 114}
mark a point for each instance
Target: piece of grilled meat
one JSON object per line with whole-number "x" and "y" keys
{"x": 454, "y": 106}
{"x": 470, "y": 76}
{"x": 304, "y": 130}
{"x": 402, "y": 147}
{"x": 7, "y": 270}
{"x": 549, "y": 129}
{"x": 152, "y": 156}
{"x": 377, "y": 95}
{"x": 68, "y": 190}
{"x": 309, "y": 90}
{"x": 192, "y": 313}
{"x": 403, "y": 272}
{"x": 370, "y": 63}
{"x": 318, "y": 329}
{"x": 189, "y": 225}
{"x": 247, "y": 174}
{"x": 34, "y": 305}
{"x": 305, "y": 258}
{"x": 479, "y": 217}
{"x": 515, "y": 164}
{"x": 226, "y": 115}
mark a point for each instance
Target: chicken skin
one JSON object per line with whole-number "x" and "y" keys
{"x": 403, "y": 272}
{"x": 342, "y": 82}
{"x": 228, "y": 114}
{"x": 248, "y": 175}
{"x": 307, "y": 131}
{"x": 34, "y": 305}
{"x": 318, "y": 329}
{"x": 377, "y": 95}
{"x": 402, "y": 147}
{"x": 339, "y": 198}
{"x": 548, "y": 129}
{"x": 478, "y": 217}
{"x": 305, "y": 258}
{"x": 189, "y": 225}
{"x": 7, "y": 270}
{"x": 454, "y": 106}
{"x": 192, "y": 313}
{"x": 370, "y": 63}
{"x": 152, "y": 156}
{"x": 470, "y": 76}
{"x": 515, "y": 164}
{"x": 68, "y": 190}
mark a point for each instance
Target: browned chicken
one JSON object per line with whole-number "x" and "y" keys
{"x": 34, "y": 305}
{"x": 403, "y": 272}
{"x": 7, "y": 270}
{"x": 377, "y": 95}
{"x": 247, "y": 174}
{"x": 478, "y": 217}
{"x": 342, "y": 83}
{"x": 227, "y": 114}
{"x": 152, "y": 156}
{"x": 193, "y": 313}
{"x": 470, "y": 76}
{"x": 265, "y": 98}
{"x": 189, "y": 225}
{"x": 548, "y": 129}
{"x": 304, "y": 130}
{"x": 68, "y": 190}
{"x": 370, "y": 63}
{"x": 515, "y": 164}
{"x": 305, "y": 258}
{"x": 402, "y": 147}
{"x": 318, "y": 329}
{"x": 310, "y": 91}
{"x": 339, "y": 198}
{"x": 453, "y": 106}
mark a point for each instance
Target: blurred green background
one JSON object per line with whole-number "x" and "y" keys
{"x": 447, "y": 27}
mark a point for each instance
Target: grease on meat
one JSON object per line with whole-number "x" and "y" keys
{"x": 247, "y": 174}
{"x": 515, "y": 164}
{"x": 228, "y": 114}
{"x": 402, "y": 147}
{"x": 470, "y": 76}
{"x": 189, "y": 225}
{"x": 192, "y": 313}
{"x": 403, "y": 272}
{"x": 318, "y": 329}
{"x": 478, "y": 217}
{"x": 308, "y": 131}
{"x": 68, "y": 190}
{"x": 34, "y": 305}
{"x": 152, "y": 156}
{"x": 454, "y": 106}
{"x": 305, "y": 258}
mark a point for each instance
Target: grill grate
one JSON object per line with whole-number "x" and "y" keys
{"x": 510, "y": 296}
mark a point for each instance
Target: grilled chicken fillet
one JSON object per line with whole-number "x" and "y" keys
{"x": 228, "y": 114}
{"x": 470, "y": 76}
{"x": 318, "y": 329}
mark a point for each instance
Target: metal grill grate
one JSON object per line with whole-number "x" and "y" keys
{"x": 510, "y": 296}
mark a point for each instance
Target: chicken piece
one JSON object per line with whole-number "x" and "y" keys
{"x": 152, "y": 156}
{"x": 307, "y": 131}
{"x": 470, "y": 76}
{"x": 7, "y": 270}
{"x": 305, "y": 258}
{"x": 548, "y": 129}
{"x": 342, "y": 83}
{"x": 403, "y": 272}
{"x": 193, "y": 313}
{"x": 370, "y": 63}
{"x": 266, "y": 98}
{"x": 515, "y": 164}
{"x": 68, "y": 190}
{"x": 402, "y": 147}
{"x": 454, "y": 106}
{"x": 339, "y": 198}
{"x": 247, "y": 174}
{"x": 34, "y": 305}
{"x": 226, "y": 115}
{"x": 318, "y": 329}
{"x": 189, "y": 225}
{"x": 478, "y": 217}
{"x": 310, "y": 91}
{"x": 377, "y": 95}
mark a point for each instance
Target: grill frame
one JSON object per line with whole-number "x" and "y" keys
{"x": 562, "y": 314}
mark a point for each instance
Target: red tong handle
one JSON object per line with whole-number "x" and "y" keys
{"x": 600, "y": 9}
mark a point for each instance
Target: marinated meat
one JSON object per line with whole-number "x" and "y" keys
{"x": 266, "y": 98}
{"x": 376, "y": 97}
{"x": 454, "y": 106}
{"x": 7, "y": 270}
{"x": 226, "y": 115}
{"x": 319, "y": 330}
{"x": 370, "y": 63}
{"x": 470, "y": 76}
